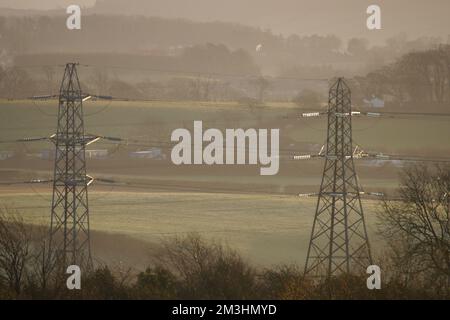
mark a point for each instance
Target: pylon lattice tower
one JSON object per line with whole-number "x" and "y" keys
{"x": 69, "y": 230}
{"x": 339, "y": 242}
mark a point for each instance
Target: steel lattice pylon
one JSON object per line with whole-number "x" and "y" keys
{"x": 69, "y": 231}
{"x": 339, "y": 242}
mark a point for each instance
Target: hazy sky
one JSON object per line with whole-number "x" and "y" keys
{"x": 345, "y": 18}
{"x": 43, "y": 4}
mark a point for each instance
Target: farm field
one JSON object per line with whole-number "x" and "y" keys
{"x": 152, "y": 123}
{"x": 224, "y": 150}
{"x": 157, "y": 119}
{"x": 266, "y": 229}
{"x": 260, "y": 216}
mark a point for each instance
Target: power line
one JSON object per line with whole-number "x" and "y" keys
{"x": 183, "y": 72}
{"x": 389, "y": 114}
{"x": 165, "y": 145}
{"x": 203, "y": 73}
{"x": 138, "y": 143}
{"x": 33, "y": 181}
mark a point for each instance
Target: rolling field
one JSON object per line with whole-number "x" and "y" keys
{"x": 260, "y": 216}
{"x": 266, "y": 229}
{"x": 152, "y": 122}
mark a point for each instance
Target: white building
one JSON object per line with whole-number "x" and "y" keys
{"x": 49, "y": 154}
{"x": 152, "y": 153}
{"x": 4, "y": 155}
{"x": 96, "y": 154}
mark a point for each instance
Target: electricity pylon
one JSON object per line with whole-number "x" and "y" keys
{"x": 69, "y": 230}
{"x": 339, "y": 242}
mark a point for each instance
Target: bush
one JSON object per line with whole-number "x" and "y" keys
{"x": 156, "y": 283}
{"x": 283, "y": 282}
{"x": 208, "y": 270}
{"x": 103, "y": 284}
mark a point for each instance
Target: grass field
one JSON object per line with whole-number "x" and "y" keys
{"x": 269, "y": 225}
{"x": 147, "y": 119}
{"x": 267, "y": 229}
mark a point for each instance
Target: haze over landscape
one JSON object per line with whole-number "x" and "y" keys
{"x": 149, "y": 67}
{"x": 303, "y": 17}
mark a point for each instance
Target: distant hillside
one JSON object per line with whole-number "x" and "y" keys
{"x": 162, "y": 37}
{"x": 139, "y": 35}
{"x": 344, "y": 18}
{"x": 200, "y": 59}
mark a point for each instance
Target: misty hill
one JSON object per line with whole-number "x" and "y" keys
{"x": 197, "y": 59}
{"x": 345, "y": 18}
{"x": 162, "y": 37}
{"x": 171, "y": 37}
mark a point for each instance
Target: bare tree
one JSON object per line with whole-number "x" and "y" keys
{"x": 203, "y": 88}
{"x": 417, "y": 228}
{"x": 49, "y": 73}
{"x": 207, "y": 270}
{"x": 426, "y": 74}
{"x": 15, "y": 243}
{"x": 44, "y": 265}
{"x": 261, "y": 84}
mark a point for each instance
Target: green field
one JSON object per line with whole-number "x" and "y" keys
{"x": 157, "y": 119}
{"x": 269, "y": 225}
{"x": 266, "y": 229}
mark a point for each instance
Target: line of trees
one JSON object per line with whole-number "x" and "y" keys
{"x": 200, "y": 72}
{"x": 167, "y": 37}
{"x": 18, "y": 83}
{"x": 415, "y": 79}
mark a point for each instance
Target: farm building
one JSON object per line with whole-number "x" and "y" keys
{"x": 152, "y": 153}
{"x": 96, "y": 154}
{"x": 4, "y": 155}
{"x": 49, "y": 154}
